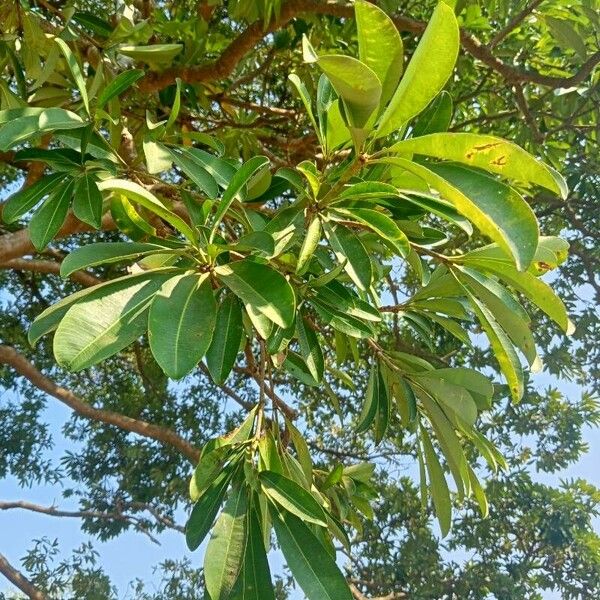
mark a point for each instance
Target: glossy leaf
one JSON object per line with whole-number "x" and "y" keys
{"x": 428, "y": 71}
{"x": 292, "y": 497}
{"x": 25, "y": 199}
{"x": 310, "y": 349}
{"x": 50, "y": 216}
{"x": 181, "y": 323}
{"x": 261, "y": 287}
{"x": 122, "y": 82}
{"x": 87, "y": 201}
{"x": 310, "y": 563}
{"x": 224, "y": 347}
{"x": 75, "y": 72}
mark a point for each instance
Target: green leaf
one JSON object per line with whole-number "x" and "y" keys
{"x": 478, "y": 385}
{"x": 379, "y": 46}
{"x": 428, "y": 70}
{"x": 369, "y": 409}
{"x": 439, "y": 487}
{"x": 101, "y": 253}
{"x": 122, "y": 82}
{"x": 261, "y": 287}
{"x": 509, "y": 314}
{"x": 181, "y": 322}
{"x": 355, "y": 83}
{"x": 501, "y": 203}
{"x": 176, "y": 105}
{"x": 225, "y": 550}
{"x": 87, "y": 201}
{"x": 103, "y": 323}
{"x": 254, "y": 582}
{"x": 306, "y": 100}
{"x": 310, "y": 349}
{"x": 155, "y": 55}
{"x": 75, "y": 72}
{"x": 204, "y": 511}
{"x": 498, "y": 221}
{"x": 502, "y": 348}
{"x": 310, "y": 563}
{"x": 293, "y": 497}
{"x": 566, "y": 35}
{"x": 224, "y": 347}
{"x": 436, "y": 117}
{"x": 236, "y": 187}
{"x": 296, "y": 366}
{"x": 137, "y": 193}
{"x": 382, "y": 225}
{"x": 348, "y": 249}
{"x": 540, "y": 293}
{"x": 486, "y": 152}
{"x": 187, "y": 162}
{"x": 309, "y": 245}
{"x": 209, "y": 468}
{"x": 453, "y": 398}
{"x": 25, "y": 199}
{"x": 50, "y": 216}
{"x": 221, "y": 170}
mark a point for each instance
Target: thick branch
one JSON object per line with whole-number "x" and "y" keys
{"x": 48, "y": 266}
{"x": 161, "y": 434}
{"x": 20, "y": 581}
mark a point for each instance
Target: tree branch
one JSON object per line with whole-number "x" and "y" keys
{"x": 48, "y": 266}
{"x": 20, "y": 581}
{"x": 23, "y": 367}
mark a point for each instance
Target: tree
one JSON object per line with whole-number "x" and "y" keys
{"x": 301, "y": 255}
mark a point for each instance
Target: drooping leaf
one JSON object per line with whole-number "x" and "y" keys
{"x": 225, "y": 550}
{"x": 181, "y": 323}
{"x": 224, "y": 347}
{"x": 310, "y": 563}
{"x": 122, "y": 82}
{"x": 75, "y": 72}
{"x": 292, "y": 497}
{"x": 310, "y": 349}
{"x": 203, "y": 180}
{"x": 87, "y": 201}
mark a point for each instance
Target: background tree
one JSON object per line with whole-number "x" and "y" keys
{"x": 216, "y": 76}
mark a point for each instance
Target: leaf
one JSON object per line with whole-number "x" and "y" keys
{"x": 50, "y": 216}
{"x": 439, "y": 487}
{"x": 154, "y": 55}
{"x": 100, "y": 253}
{"x": 309, "y": 245}
{"x": 137, "y": 193}
{"x": 181, "y": 322}
{"x": 235, "y": 188}
{"x": 566, "y": 35}
{"x": 221, "y": 170}
{"x": 224, "y": 347}
{"x": 506, "y": 207}
{"x": 486, "y": 152}
{"x": 203, "y": 180}
{"x": 103, "y": 323}
{"x": 436, "y": 117}
{"x": 225, "y": 550}
{"x": 293, "y": 497}
{"x": 382, "y": 225}
{"x": 254, "y": 582}
{"x": 211, "y": 465}
{"x": 75, "y": 72}
{"x": 479, "y": 386}
{"x": 204, "y": 512}
{"x": 158, "y": 158}
{"x": 261, "y": 287}
{"x": 369, "y": 410}
{"x": 379, "y": 46}
{"x": 296, "y": 366}
{"x": 355, "y": 83}
{"x": 502, "y": 348}
{"x": 428, "y": 71}
{"x": 500, "y": 225}
{"x": 306, "y": 100}
{"x": 348, "y": 249}
{"x": 310, "y": 563}
{"x": 310, "y": 349}
{"x": 25, "y": 199}
{"x": 540, "y": 293}
{"x": 122, "y": 82}
{"x": 87, "y": 201}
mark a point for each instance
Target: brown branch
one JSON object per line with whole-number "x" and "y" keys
{"x": 48, "y": 266}
{"x": 23, "y": 367}
{"x": 226, "y": 63}
{"x": 514, "y": 22}
{"x": 20, "y": 581}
